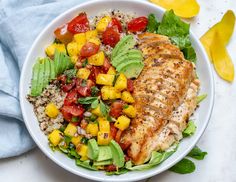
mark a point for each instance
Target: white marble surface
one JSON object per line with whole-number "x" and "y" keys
{"x": 219, "y": 140}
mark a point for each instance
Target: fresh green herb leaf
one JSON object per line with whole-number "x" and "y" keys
{"x": 93, "y": 118}
{"x": 84, "y": 140}
{"x": 53, "y": 148}
{"x": 70, "y": 73}
{"x": 62, "y": 128}
{"x": 85, "y": 63}
{"x": 73, "y": 154}
{"x": 190, "y": 129}
{"x": 94, "y": 104}
{"x": 109, "y": 119}
{"x": 63, "y": 149}
{"x": 87, "y": 100}
{"x": 152, "y": 23}
{"x": 156, "y": 158}
{"x": 94, "y": 91}
{"x": 197, "y": 153}
{"x": 84, "y": 83}
{"x": 85, "y": 164}
{"x": 67, "y": 140}
{"x": 190, "y": 54}
{"x": 185, "y": 166}
{"x": 200, "y": 98}
{"x": 125, "y": 106}
{"x": 104, "y": 108}
{"x": 120, "y": 171}
{"x": 74, "y": 119}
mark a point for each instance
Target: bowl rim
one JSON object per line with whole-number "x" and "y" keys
{"x": 94, "y": 177}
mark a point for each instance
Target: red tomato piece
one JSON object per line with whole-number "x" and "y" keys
{"x": 69, "y": 111}
{"x": 63, "y": 34}
{"x": 110, "y": 168}
{"x": 113, "y": 130}
{"x": 68, "y": 87}
{"x": 130, "y": 85}
{"x": 95, "y": 70}
{"x": 106, "y": 65}
{"x": 111, "y": 36}
{"x": 71, "y": 98}
{"x": 116, "y": 109}
{"x": 84, "y": 91}
{"x": 79, "y": 24}
{"x": 115, "y": 22}
{"x": 89, "y": 49}
{"x": 137, "y": 24}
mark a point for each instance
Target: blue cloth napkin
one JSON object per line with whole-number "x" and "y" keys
{"x": 20, "y": 23}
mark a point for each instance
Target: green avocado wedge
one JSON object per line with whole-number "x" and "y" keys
{"x": 46, "y": 77}
{"x": 40, "y": 77}
{"x": 133, "y": 69}
{"x": 124, "y": 57}
{"x": 104, "y": 153}
{"x": 52, "y": 70}
{"x": 126, "y": 43}
{"x": 93, "y": 149}
{"x": 34, "y": 81}
{"x": 117, "y": 154}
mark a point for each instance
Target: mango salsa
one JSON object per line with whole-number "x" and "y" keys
{"x": 103, "y": 138}
{"x": 122, "y": 123}
{"x": 103, "y": 23}
{"x": 50, "y": 50}
{"x": 82, "y": 150}
{"x": 110, "y": 93}
{"x": 97, "y": 59}
{"x": 104, "y": 125}
{"x": 55, "y": 137}
{"x": 127, "y": 97}
{"x": 129, "y": 111}
{"x": 92, "y": 128}
{"x": 70, "y": 130}
{"x": 105, "y": 79}
{"x": 121, "y": 82}
{"x": 83, "y": 73}
{"x": 76, "y": 140}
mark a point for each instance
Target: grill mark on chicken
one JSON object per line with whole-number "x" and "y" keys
{"x": 160, "y": 90}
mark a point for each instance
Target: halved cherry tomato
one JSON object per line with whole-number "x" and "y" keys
{"x": 106, "y": 65}
{"x": 137, "y": 24}
{"x": 79, "y": 24}
{"x": 116, "y": 109}
{"x": 74, "y": 110}
{"x": 113, "y": 130}
{"x": 85, "y": 90}
{"x": 110, "y": 168}
{"x": 63, "y": 34}
{"x": 89, "y": 49}
{"x": 69, "y": 86}
{"x": 115, "y": 22}
{"x": 130, "y": 85}
{"x": 71, "y": 98}
{"x": 95, "y": 70}
{"x": 111, "y": 36}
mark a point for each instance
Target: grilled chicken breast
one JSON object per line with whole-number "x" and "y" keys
{"x": 165, "y": 95}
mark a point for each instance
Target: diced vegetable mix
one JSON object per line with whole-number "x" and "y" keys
{"x": 98, "y": 105}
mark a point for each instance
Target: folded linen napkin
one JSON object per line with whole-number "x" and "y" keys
{"x": 20, "y": 23}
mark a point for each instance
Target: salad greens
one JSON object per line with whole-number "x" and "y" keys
{"x": 185, "y": 166}
{"x": 200, "y": 98}
{"x": 152, "y": 23}
{"x": 190, "y": 129}
{"x": 197, "y": 153}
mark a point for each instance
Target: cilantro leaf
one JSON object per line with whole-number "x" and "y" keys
{"x": 94, "y": 91}
{"x": 104, "y": 108}
{"x": 94, "y": 104}
{"x": 87, "y": 100}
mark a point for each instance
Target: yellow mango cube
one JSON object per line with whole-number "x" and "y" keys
{"x": 103, "y": 23}
{"x": 127, "y": 97}
{"x": 76, "y": 140}
{"x": 55, "y": 137}
{"x": 110, "y": 93}
{"x": 97, "y": 111}
{"x": 50, "y": 50}
{"x": 80, "y": 38}
{"x": 83, "y": 73}
{"x": 74, "y": 59}
{"x": 95, "y": 40}
{"x": 82, "y": 150}
{"x": 105, "y": 79}
{"x": 122, "y": 123}
{"x": 103, "y": 138}
{"x": 97, "y": 59}
{"x": 111, "y": 71}
{"x": 70, "y": 130}
{"x": 72, "y": 49}
{"x": 51, "y": 110}
{"x": 104, "y": 125}
{"x": 121, "y": 82}
{"x": 129, "y": 111}
{"x": 91, "y": 34}
{"x": 92, "y": 128}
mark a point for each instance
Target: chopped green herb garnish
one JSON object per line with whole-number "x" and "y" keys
{"x": 84, "y": 83}
{"x": 70, "y": 73}
{"x": 104, "y": 108}
{"x": 84, "y": 140}
{"x": 93, "y": 117}
{"x": 94, "y": 91}
{"x": 87, "y": 100}
{"x": 85, "y": 63}
{"x": 125, "y": 106}
{"x": 94, "y": 104}
{"x": 74, "y": 119}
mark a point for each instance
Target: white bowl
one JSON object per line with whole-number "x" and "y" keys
{"x": 93, "y": 8}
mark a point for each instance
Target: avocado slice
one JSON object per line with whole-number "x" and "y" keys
{"x": 102, "y": 163}
{"x": 34, "y": 81}
{"x": 123, "y": 45}
{"x": 46, "y": 73}
{"x": 104, "y": 153}
{"x": 124, "y": 57}
{"x": 132, "y": 69}
{"x": 40, "y": 77}
{"x": 57, "y": 62}
{"x": 52, "y": 70}
{"x": 93, "y": 149}
{"x": 128, "y": 62}
{"x": 117, "y": 154}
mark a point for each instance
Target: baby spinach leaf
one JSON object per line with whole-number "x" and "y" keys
{"x": 104, "y": 108}
{"x": 152, "y": 23}
{"x": 197, "y": 153}
{"x": 94, "y": 91}
{"x": 87, "y": 100}
{"x": 94, "y": 104}
{"x": 185, "y": 166}
{"x": 190, "y": 130}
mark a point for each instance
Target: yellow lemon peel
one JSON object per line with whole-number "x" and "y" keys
{"x": 182, "y": 8}
{"x": 224, "y": 28}
{"x": 221, "y": 59}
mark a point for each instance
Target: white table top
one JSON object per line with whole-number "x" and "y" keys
{"x": 218, "y": 140}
